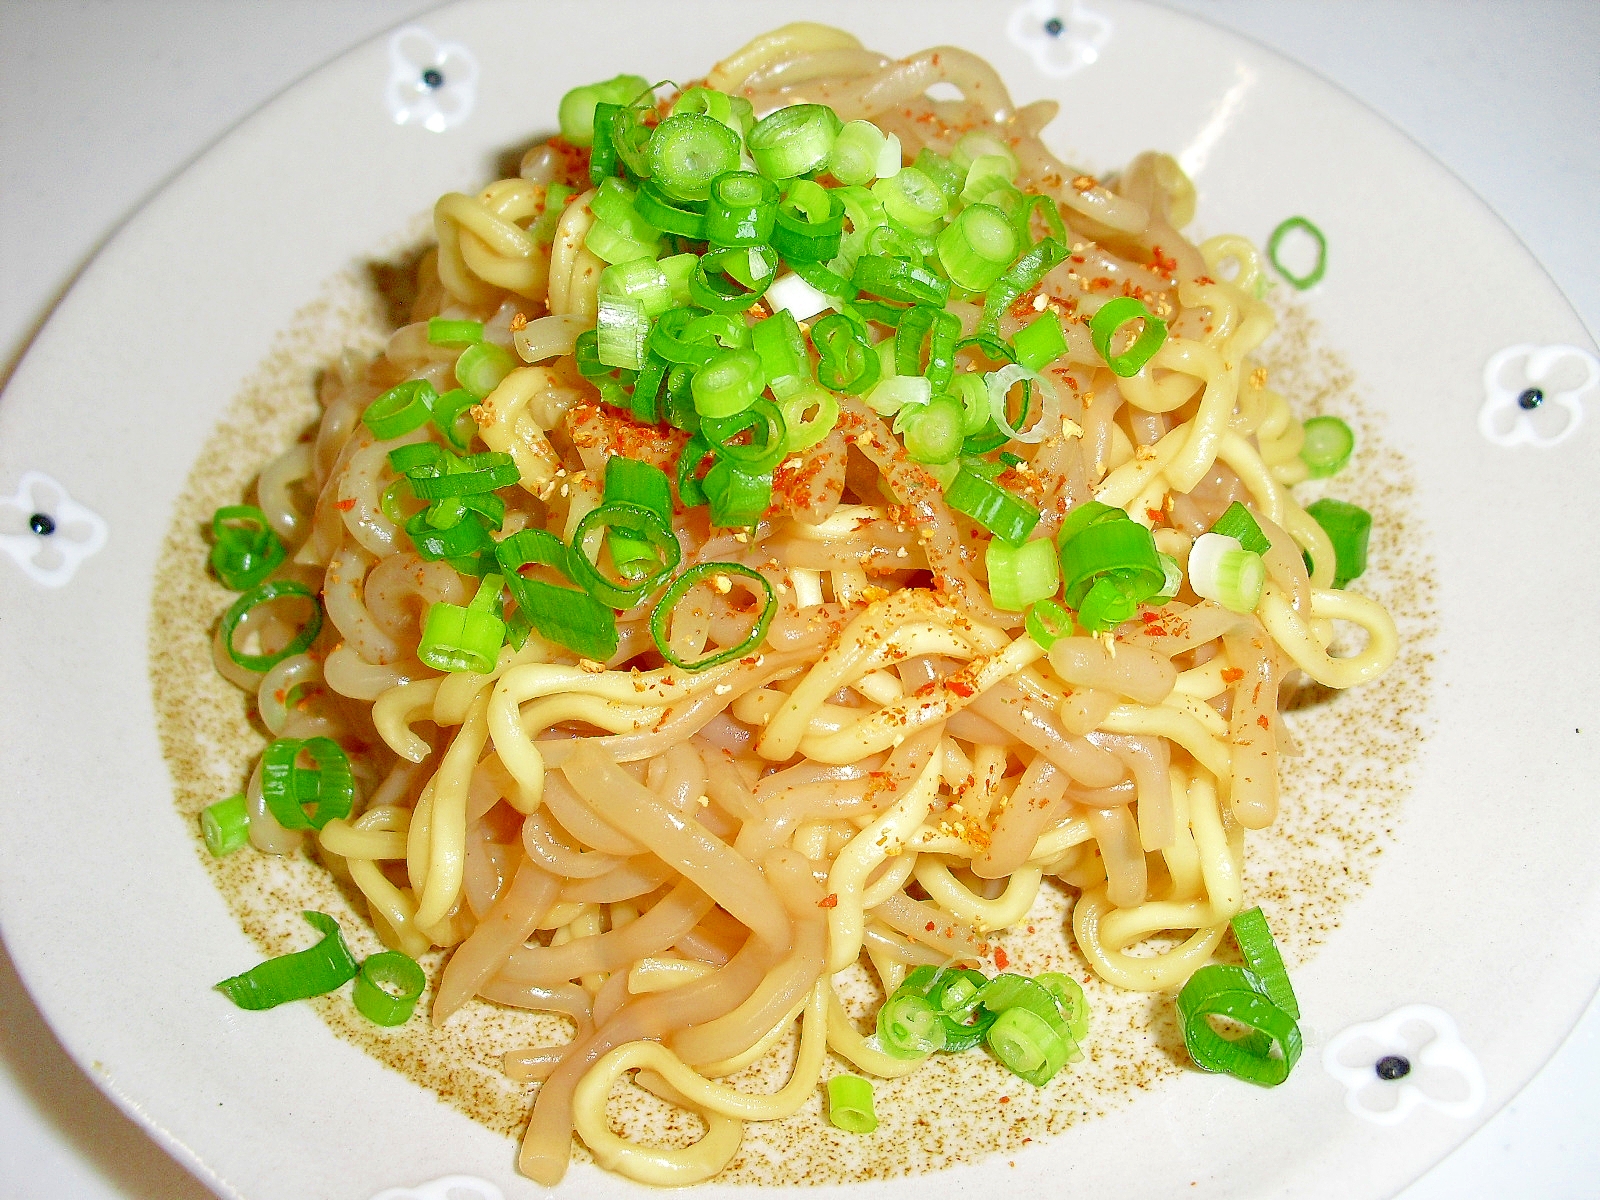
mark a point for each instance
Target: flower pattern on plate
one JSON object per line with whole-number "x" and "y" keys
{"x": 431, "y": 83}
{"x": 1060, "y": 45}
{"x": 451, "y": 1187}
{"x": 1534, "y": 394}
{"x": 46, "y": 531}
{"x": 1414, "y": 1056}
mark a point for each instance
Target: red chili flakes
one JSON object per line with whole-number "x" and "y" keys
{"x": 831, "y": 900}
{"x": 1161, "y": 262}
{"x": 346, "y": 505}
{"x": 1264, "y": 721}
{"x": 930, "y": 926}
{"x": 1155, "y": 515}
{"x": 1022, "y": 307}
{"x": 1232, "y": 674}
{"x": 1205, "y": 280}
{"x": 1001, "y": 960}
{"x": 961, "y": 688}
{"x": 1005, "y": 1099}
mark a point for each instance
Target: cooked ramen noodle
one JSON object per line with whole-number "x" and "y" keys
{"x": 909, "y": 591}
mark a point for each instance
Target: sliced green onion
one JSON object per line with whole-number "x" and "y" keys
{"x": 909, "y": 1026}
{"x": 641, "y": 525}
{"x": 630, "y": 137}
{"x": 942, "y": 173}
{"x": 1008, "y": 517}
{"x": 850, "y": 1104}
{"x": 839, "y": 290}
{"x": 858, "y": 151}
{"x": 781, "y": 347}
{"x": 864, "y": 214}
{"x": 729, "y": 383}
{"x": 932, "y": 431}
{"x": 1239, "y": 995}
{"x": 645, "y": 484}
{"x": 913, "y": 199}
{"x": 678, "y": 339}
{"x": 306, "y": 797}
{"x": 687, "y": 151}
{"x": 622, "y": 331}
{"x": 1090, "y": 512}
{"x": 244, "y": 549}
{"x": 1328, "y": 445}
{"x": 1047, "y": 623}
{"x": 984, "y": 175}
{"x": 567, "y": 616}
{"x": 681, "y": 587}
{"x": 1174, "y": 577}
{"x": 1040, "y": 342}
{"x": 433, "y": 542}
{"x": 849, "y": 364}
{"x": 681, "y": 218}
{"x": 900, "y": 280}
{"x": 690, "y": 459}
{"x": 465, "y": 639}
{"x": 1106, "y": 323}
{"x": 1030, "y": 1036}
{"x": 643, "y": 281}
{"x": 1237, "y": 523}
{"x": 452, "y": 416}
{"x": 481, "y": 367}
{"x": 803, "y": 433}
{"x": 455, "y": 335}
{"x": 976, "y": 143}
{"x": 1220, "y": 570}
{"x": 1311, "y": 277}
{"x": 267, "y": 593}
{"x": 543, "y": 229}
{"x": 977, "y": 246}
{"x": 1069, "y": 998}
{"x": 796, "y": 140}
{"x": 603, "y": 162}
{"x": 999, "y": 384}
{"x": 611, "y": 245}
{"x": 1021, "y": 575}
{"x": 810, "y": 223}
{"x": 1348, "y": 527}
{"x": 937, "y": 330}
{"x": 763, "y": 421}
{"x": 1023, "y": 274}
{"x": 954, "y": 992}
{"x": 404, "y": 407}
{"x": 970, "y": 389}
{"x": 894, "y": 393}
{"x": 577, "y": 111}
{"x": 1109, "y": 568}
{"x": 299, "y": 976}
{"x": 731, "y": 279}
{"x": 736, "y": 498}
{"x": 719, "y": 106}
{"x": 387, "y": 988}
{"x": 741, "y": 209}
{"x": 1262, "y": 957}
{"x": 226, "y": 825}
{"x": 469, "y": 475}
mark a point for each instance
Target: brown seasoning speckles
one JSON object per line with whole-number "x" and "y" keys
{"x": 1341, "y": 807}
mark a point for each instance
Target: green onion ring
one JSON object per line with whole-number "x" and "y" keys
{"x": 1312, "y": 277}
{"x": 278, "y": 589}
{"x": 1238, "y": 994}
{"x": 298, "y": 976}
{"x": 1047, "y": 623}
{"x": 637, "y": 521}
{"x": 681, "y": 588}
{"x": 375, "y": 1001}
{"x": 301, "y": 798}
{"x": 1113, "y": 315}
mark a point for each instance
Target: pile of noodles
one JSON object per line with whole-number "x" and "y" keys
{"x": 680, "y": 862}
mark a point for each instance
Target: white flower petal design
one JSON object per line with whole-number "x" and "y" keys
{"x": 431, "y": 83}
{"x": 46, "y": 531}
{"x": 451, "y": 1187}
{"x": 1441, "y": 1071}
{"x": 1059, "y": 45}
{"x": 1559, "y": 374}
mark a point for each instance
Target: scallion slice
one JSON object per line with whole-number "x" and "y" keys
{"x": 1348, "y": 527}
{"x": 741, "y": 209}
{"x": 849, "y": 364}
{"x": 805, "y": 433}
{"x": 932, "y": 432}
{"x": 977, "y": 246}
{"x": 302, "y": 797}
{"x": 716, "y": 575}
{"x": 298, "y": 976}
{"x": 267, "y": 593}
{"x": 452, "y": 416}
{"x": 1262, "y": 957}
{"x": 687, "y": 151}
{"x": 387, "y": 988}
{"x": 810, "y": 223}
{"x": 244, "y": 549}
{"x": 456, "y": 638}
{"x": 577, "y": 111}
{"x": 1023, "y": 274}
{"x": 402, "y": 408}
{"x": 567, "y": 616}
{"x": 1106, "y": 323}
{"x": 1040, "y": 342}
{"x": 1314, "y": 275}
{"x": 1022, "y": 575}
{"x": 732, "y": 279}
{"x": 850, "y": 1104}
{"x": 1008, "y": 517}
{"x": 909, "y": 1026}
{"x": 226, "y": 825}
{"x": 622, "y": 330}
{"x": 1240, "y": 996}
{"x": 1221, "y": 570}
{"x": 900, "y": 280}
{"x": 763, "y": 421}
{"x": 913, "y": 199}
{"x": 795, "y": 140}
{"x": 858, "y": 151}
{"x": 1328, "y": 445}
{"x": 481, "y": 367}
{"x": 1047, "y": 623}
{"x": 729, "y": 383}
{"x": 636, "y": 522}
{"x": 454, "y": 335}
{"x": 681, "y": 218}
{"x": 1237, "y": 523}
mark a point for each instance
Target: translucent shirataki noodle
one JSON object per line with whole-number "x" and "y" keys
{"x": 681, "y": 861}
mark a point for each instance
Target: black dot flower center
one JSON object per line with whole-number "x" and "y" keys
{"x": 1530, "y": 399}
{"x": 1392, "y": 1066}
{"x": 433, "y": 77}
{"x": 1054, "y": 27}
{"x": 42, "y": 523}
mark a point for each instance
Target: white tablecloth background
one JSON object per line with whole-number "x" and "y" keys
{"x": 102, "y": 101}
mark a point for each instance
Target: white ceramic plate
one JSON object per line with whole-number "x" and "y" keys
{"x": 1474, "y": 908}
